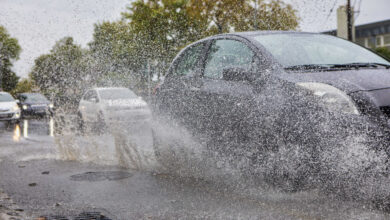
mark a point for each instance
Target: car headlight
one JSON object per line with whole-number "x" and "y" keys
{"x": 25, "y": 107}
{"x": 51, "y": 105}
{"x": 334, "y": 98}
{"x": 15, "y": 108}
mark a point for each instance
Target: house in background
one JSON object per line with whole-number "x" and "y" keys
{"x": 372, "y": 35}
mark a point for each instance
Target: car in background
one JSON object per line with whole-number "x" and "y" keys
{"x": 258, "y": 93}
{"x": 116, "y": 104}
{"x": 9, "y": 109}
{"x": 34, "y": 105}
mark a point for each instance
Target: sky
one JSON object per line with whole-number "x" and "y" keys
{"x": 38, "y": 24}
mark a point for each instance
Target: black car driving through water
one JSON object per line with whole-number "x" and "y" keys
{"x": 285, "y": 106}
{"x": 34, "y": 105}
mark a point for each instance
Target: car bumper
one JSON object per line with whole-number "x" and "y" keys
{"x": 9, "y": 116}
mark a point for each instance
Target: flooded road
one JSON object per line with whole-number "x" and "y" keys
{"x": 115, "y": 174}
{"x": 33, "y": 128}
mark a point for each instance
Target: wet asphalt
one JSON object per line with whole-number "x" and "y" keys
{"x": 71, "y": 175}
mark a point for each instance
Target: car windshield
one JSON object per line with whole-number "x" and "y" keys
{"x": 315, "y": 49}
{"x": 5, "y": 97}
{"x": 35, "y": 97}
{"x": 113, "y": 94}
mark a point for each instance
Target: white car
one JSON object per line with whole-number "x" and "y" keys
{"x": 104, "y": 105}
{"x": 9, "y": 109}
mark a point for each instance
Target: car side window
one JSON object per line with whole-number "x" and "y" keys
{"x": 94, "y": 96}
{"x": 188, "y": 61}
{"x": 90, "y": 95}
{"x": 226, "y": 53}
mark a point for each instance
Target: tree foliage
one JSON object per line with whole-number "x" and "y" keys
{"x": 384, "y": 51}
{"x": 146, "y": 39}
{"x": 9, "y": 52}
{"x": 113, "y": 53}
{"x": 151, "y": 32}
{"x": 60, "y": 74}
{"x": 25, "y": 85}
{"x": 163, "y": 27}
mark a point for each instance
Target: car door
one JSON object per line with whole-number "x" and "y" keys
{"x": 176, "y": 94}
{"x": 226, "y": 102}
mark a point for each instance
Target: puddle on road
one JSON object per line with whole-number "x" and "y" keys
{"x": 29, "y": 128}
{"x": 127, "y": 144}
{"x": 28, "y": 140}
{"x": 101, "y": 176}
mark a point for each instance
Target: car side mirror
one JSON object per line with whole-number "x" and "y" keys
{"x": 236, "y": 74}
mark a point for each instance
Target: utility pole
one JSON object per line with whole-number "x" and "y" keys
{"x": 255, "y": 17}
{"x": 1, "y": 75}
{"x": 349, "y": 20}
{"x": 149, "y": 79}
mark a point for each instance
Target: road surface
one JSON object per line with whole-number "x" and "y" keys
{"x": 73, "y": 176}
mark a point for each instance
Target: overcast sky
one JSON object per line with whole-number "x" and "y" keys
{"x": 38, "y": 24}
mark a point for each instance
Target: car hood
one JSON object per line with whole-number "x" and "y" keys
{"x": 347, "y": 80}
{"x": 7, "y": 105}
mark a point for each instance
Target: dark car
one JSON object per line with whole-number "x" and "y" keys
{"x": 285, "y": 103}
{"x": 34, "y": 105}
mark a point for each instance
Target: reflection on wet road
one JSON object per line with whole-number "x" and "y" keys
{"x": 75, "y": 172}
{"x": 27, "y": 128}
{"x": 16, "y": 136}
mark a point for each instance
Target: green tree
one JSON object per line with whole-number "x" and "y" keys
{"x": 60, "y": 74}
{"x": 9, "y": 52}
{"x": 160, "y": 28}
{"x": 384, "y": 51}
{"x": 25, "y": 85}
{"x": 112, "y": 53}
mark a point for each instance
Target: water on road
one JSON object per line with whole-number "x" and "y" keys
{"x": 114, "y": 173}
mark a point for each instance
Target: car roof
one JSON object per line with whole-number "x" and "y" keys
{"x": 255, "y": 33}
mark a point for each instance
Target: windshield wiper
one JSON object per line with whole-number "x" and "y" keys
{"x": 309, "y": 67}
{"x": 336, "y": 66}
{"x": 360, "y": 65}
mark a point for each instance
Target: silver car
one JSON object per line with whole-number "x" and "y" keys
{"x": 9, "y": 109}
{"x": 104, "y": 105}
